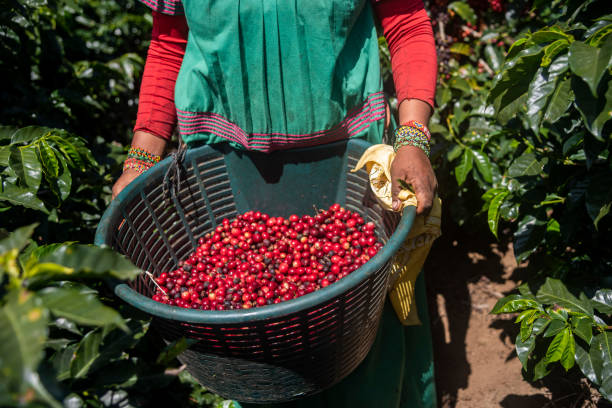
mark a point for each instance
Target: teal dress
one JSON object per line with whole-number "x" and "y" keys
{"x": 268, "y": 75}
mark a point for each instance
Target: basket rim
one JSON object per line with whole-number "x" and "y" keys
{"x": 148, "y": 305}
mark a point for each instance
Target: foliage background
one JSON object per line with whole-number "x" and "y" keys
{"x": 521, "y": 149}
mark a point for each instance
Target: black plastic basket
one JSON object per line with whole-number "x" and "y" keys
{"x": 272, "y": 353}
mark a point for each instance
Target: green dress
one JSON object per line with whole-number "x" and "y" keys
{"x": 276, "y": 74}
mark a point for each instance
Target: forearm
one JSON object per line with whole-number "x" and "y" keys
{"x": 156, "y": 109}
{"x": 407, "y": 29}
{"x": 414, "y": 109}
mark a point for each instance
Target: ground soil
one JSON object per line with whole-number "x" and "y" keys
{"x": 475, "y": 361}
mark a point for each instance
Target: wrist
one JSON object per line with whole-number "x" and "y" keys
{"x": 414, "y": 134}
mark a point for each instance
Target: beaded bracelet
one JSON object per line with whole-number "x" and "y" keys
{"x": 412, "y": 134}
{"x": 139, "y": 165}
{"x": 143, "y": 155}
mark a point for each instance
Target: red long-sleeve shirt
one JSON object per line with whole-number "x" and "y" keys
{"x": 405, "y": 24}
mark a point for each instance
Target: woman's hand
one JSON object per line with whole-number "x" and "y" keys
{"x": 148, "y": 142}
{"x": 126, "y": 178}
{"x": 412, "y": 166}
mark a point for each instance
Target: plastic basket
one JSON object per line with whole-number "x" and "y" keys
{"x": 277, "y": 352}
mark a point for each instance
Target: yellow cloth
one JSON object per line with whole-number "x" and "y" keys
{"x": 409, "y": 259}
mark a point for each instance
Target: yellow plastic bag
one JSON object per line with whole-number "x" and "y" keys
{"x": 409, "y": 260}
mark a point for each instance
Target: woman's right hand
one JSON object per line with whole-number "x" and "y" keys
{"x": 126, "y": 178}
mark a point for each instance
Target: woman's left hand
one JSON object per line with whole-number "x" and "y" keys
{"x": 412, "y": 166}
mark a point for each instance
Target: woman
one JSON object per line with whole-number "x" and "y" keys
{"x": 267, "y": 75}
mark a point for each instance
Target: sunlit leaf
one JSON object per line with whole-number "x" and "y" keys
{"x": 483, "y": 164}
{"x": 602, "y": 301}
{"x": 513, "y": 303}
{"x": 590, "y": 63}
{"x": 553, "y": 291}
{"x": 524, "y": 349}
{"x": 465, "y": 166}
{"x": 463, "y": 10}
{"x": 526, "y": 164}
{"x": 22, "y": 197}
{"x": 493, "y": 211}
{"x": 82, "y": 308}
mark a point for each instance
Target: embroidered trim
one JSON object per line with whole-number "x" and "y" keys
{"x": 170, "y": 7}
{"x": 372, "y": 110}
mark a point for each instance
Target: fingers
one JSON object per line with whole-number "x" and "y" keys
{"x": 425, "y": 195}
{"x": 395, "y": 189}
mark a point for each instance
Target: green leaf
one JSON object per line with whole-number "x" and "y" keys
{"x": 513, "y": 303}
{"x": 567, "y": 358}
{"x": 63, "y": 182}
{"x": 559, "y": 344}
{"x": 454, "y": 153}
{"x": 79, "y": 306}
{"x": 61, "y": 361}
{"x": 67, "y": 146}
{"x": 494, "y": 57}
{"x": 24, "y": 161}
{"x": 594, "y": 112}
{"x": 541, "y": 88}
{"x": 463, "y": 10}
{"x": 583, "y": 359}
{"x": 22, "y": 197}
{"x": 117, "y": 342}
{"x": 553, "y": 291}
{"x": 528, "y": 236}
{"x": 540, "y": 370}
{"x": 525, "y": 165}
{"x": 6, "y": 132}
{"x": 555, "y": 326}
{"x": 24, "y": 331}
{"x": 18, "y": 239}
{"x": 28, "y": 134}
{"x": 524, "y": 349}
{"x": 540, "y": 324}
{"x": 483, "y": 165}
{"x": 509, "y": 93}
{"x": 602, "y": 301}
{"x": 526, "y": 328}
{"x": 81, "y": 261}
{"x": 600, "y": 35}
{"x": 549, "y": 34}
{"x": 461, "y": 48}
{"x": 560, "y": 101}
{"x": 552, "y": 50}
{"x": 86, "y": 353}
{"x": 465, "y": 166}
{"x": 590, "y": 63}
{"x": 173, "y": 349}
{"x": 583, "y": 328}
{"x": 493, "y": 212}
{"x": 601, "y": 357}
{"x": 5, "y": 152}
{"x": 48, "y": 160}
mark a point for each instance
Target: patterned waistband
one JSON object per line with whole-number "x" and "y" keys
{"x": 191, "y": 124}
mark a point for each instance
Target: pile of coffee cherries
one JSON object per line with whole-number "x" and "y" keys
{"x": 257, "y": 260}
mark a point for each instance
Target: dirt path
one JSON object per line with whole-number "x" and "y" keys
{"x": 476, "y": 365}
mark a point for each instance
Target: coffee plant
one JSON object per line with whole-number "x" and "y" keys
{"x": 526, "y": 133}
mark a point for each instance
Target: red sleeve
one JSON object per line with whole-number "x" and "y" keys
{"x": 407, "y": 28}
{"x": 156, "y": 110}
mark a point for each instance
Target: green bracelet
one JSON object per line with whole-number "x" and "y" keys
{"x": 411, "y": 136}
